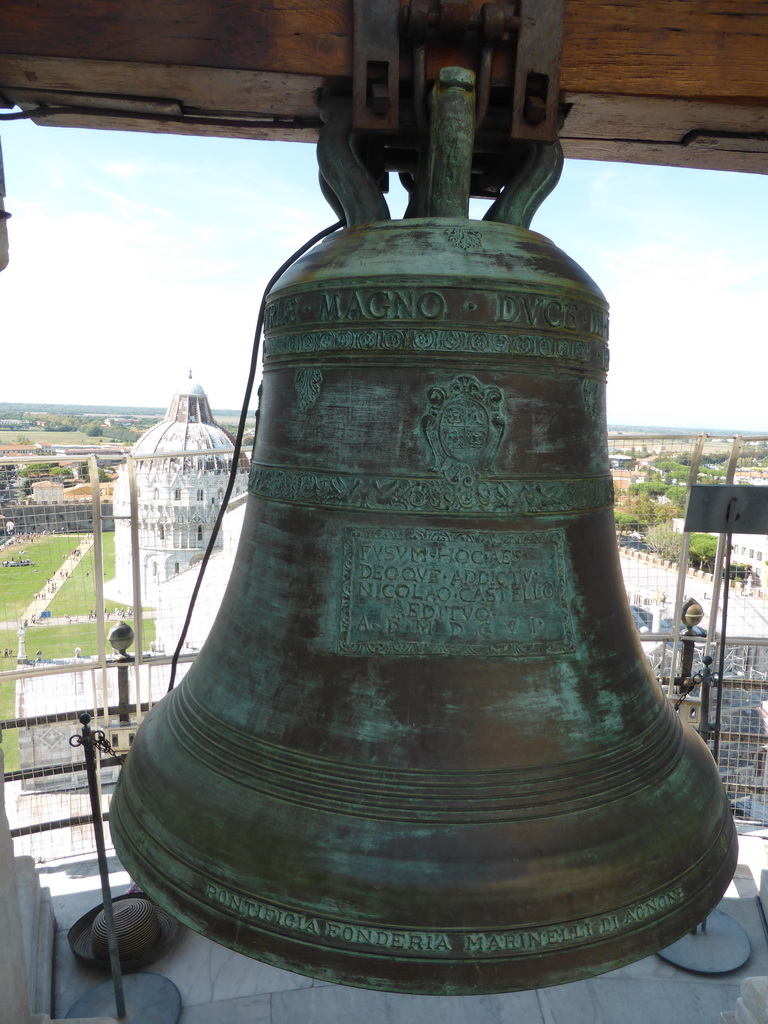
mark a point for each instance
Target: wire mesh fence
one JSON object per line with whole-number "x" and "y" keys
{"x": 664, "y": 567}
{"x": 74, "y": 565}
{"x": 80, "y": 555}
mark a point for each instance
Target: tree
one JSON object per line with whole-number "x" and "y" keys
{"x": 45, "y": 471}
{"x": 676, "y": 496}
{"x": 671, "y": 467}
{"x": 664, "y": 541}
{"x": 702, "y": 550}
{"x": 625, "y": 521}
{"x": 645, "y": 511}
{"x": 653, "y": 489}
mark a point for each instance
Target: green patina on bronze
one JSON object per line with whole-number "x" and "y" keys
{"x": 421, "y": 749}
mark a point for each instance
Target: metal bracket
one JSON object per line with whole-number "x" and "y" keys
{"x": 536, "y": 87}
{"x": 531, "y": 30}
{"x": 376, "y": 65}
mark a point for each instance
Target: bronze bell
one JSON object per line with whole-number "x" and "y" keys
{"x": 422, "y": 750}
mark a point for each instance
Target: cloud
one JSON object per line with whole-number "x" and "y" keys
{"x": 126, "y": 207}
{"x": 125, "y": 170}
{"x": 113, "y": 306}
{"x": 685, "y": 327}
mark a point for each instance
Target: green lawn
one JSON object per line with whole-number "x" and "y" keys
{"x": 76, "y": 594}
{"x": 61, "y": 436}
{"x": 75, "y": 597}
{"x": 19, "y": 586}
{"x": 60, "y": 641}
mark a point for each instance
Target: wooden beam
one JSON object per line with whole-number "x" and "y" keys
{"x": 703, "y": 49}
{"x": 297, "y": 37}
{"x": 692, "y": 49}
{"x": 670, "y": 81}
{"x": 203, "y": 91}
{"x": 653, "y": 130}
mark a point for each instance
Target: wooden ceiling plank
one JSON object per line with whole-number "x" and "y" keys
{"x": 705, "y": 49}
{"x": 646, "y": 80}
{"x": 272, "y": 132}
{"x": 213, "y": 89}
{"x": 629, "y": 152}
{"x": 295, "y": 37}
{"x": 652, "y": 117}
{"x": 695, "y": 49}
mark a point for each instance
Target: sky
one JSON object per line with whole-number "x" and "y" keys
{"x": 134, "y": 257}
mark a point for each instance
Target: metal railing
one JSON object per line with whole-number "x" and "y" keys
{"x": 662, "y": 570}
{"x": 58, "y": 605}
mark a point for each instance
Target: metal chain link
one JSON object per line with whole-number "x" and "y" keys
{"x": 99, "y": 739}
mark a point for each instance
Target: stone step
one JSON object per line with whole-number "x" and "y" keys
{"x": 38, "y": 926}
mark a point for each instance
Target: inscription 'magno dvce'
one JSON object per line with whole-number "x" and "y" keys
{"x": 443, "y": 592}
{"x": 524, "y": 308}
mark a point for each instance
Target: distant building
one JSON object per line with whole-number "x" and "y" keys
{"x": 623, "y": 479}
{"x": 180, "y": 490}
{"x": 756, "y": 476}
{"x": 752, "y": 549}
{"x": 14, "y": 450}
{"x": 48, "y": 492}
{"x": 174, "y": 596}
{"x": 84, "y": 492}
{"x": 746, "y": 549}
{"x": 103, "y": 452}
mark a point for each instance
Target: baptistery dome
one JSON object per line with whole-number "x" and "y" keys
{"x": 182, "y": 465}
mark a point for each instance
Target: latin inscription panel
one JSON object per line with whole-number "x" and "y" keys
{"x": 450, "y": 592}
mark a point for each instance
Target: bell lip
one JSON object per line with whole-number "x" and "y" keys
{"x": 160, "y": 865}
{"x": 463, "y": 976}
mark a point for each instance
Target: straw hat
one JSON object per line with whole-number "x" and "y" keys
{"x": 144, "y": 933}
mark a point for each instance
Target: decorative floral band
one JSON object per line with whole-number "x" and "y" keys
{"x": 578, "y": 351}
{"x": 430, "y": 495}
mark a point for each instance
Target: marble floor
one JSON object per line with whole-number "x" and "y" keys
{"x": 221, "y": 987}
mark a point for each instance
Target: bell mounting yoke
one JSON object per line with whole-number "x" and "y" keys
{"x": 515, "y": 50}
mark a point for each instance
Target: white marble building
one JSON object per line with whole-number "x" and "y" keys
{"x": 179, "y": 493}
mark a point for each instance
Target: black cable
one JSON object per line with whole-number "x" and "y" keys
{"x": 255, "y": 353}
{"x": 163, "y": 118}
{"x": 20, "y": 115}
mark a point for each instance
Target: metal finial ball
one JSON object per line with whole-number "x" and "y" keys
{"x": 692, "y": 614}
{"x": 121, "y": 637}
